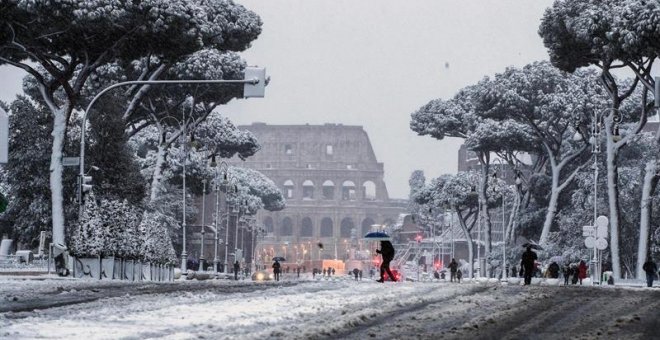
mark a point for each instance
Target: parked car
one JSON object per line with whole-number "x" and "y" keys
{"x": 262, "y": 275}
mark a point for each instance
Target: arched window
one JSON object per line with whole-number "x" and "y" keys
{"x": 328, "y": 190}
{"x": 366, "y": 225}
{"x": 369, "y": 191}
{"x": 326, "y": 227}
{"x": 306, "y": 229}
{"x": 346, "y": 226}
{"x": 308, "y": 190}
{"x": 348, "y": 191}
{"x": 288, "y": 188}
{"x": 268, "y": 224}
{"x": 287, "y": 227}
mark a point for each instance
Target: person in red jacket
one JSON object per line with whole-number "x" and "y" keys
{"x": 582, "y": 271}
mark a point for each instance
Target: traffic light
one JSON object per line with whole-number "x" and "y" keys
{"x": 3, "y": 203}
{"x": 84, "y": 186}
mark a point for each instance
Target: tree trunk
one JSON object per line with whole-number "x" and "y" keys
{"x": 158, "y": 172}
{"x": 552, "y": 206}
{"x": 613, "y": 198}
{"x": 483, "y": 202}
{"x": 59, "y": 128}
{"x": 468, "y": 240}
{"x": 650, "y": 181}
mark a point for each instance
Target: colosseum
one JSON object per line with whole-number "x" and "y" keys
{"x": 334, "y": 188}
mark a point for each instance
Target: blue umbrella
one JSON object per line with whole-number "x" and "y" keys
{"x": 377, "y": 236}
{"x": 279, "y": 258}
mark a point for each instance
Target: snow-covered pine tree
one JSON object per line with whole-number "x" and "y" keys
{"x": 88, "y": 237}
{"x": 156, "y": 243}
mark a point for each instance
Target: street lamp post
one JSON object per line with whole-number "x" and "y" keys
{"x": 201, "y": 247}
{"x": 217, "y": 205}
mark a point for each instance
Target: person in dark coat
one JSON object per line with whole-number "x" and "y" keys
{"x": 333, "y": 271}
{"x": 355, "y": 273}
{"x": 298, "y": 272}
{"x": 453, "y": 267}
{"x": 323, "y": 272}
{"x": 387, "y": 252}
{"x": 237, "y": 268}
{"x": 276, "y": 270}
{"x": 527, "y": 262}
{"x": 360, "y": 274}
{"x": 567, "y": 273}
{"x": 650, "y": 268}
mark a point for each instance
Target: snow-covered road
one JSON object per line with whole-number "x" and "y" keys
{"x": 335, "y": 309}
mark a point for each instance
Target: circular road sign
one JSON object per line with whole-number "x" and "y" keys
{"x": 601, "y": 243}
{"x": 602, "y": 221}
{"x": 590, "y": 242}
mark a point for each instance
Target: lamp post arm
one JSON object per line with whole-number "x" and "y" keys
{"x": 252, "y": 81}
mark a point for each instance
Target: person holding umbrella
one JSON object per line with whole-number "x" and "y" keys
{"x": 387, "y": 252}
{"x": 276, "y": 270}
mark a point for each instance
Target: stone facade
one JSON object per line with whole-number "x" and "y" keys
{"x": 333, "y": 185}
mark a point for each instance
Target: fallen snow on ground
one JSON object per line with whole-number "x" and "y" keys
{"x": 302, "y": 311}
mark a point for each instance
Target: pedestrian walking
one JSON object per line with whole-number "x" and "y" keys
{"x": 333, "y": 271}
{"x": 313, "y": 273}
{"x": 360, "y": 274}
{"x": 237, "y": 268}
{"x": 355, "y": 273}
{"x": 527, "y": 263}
{"x": 582, "y": 271}
{"x": 567, "y": 273}
{"x": 298, "y": 272}
{"x": 651, "y": 269}
{"x": 276, "y": 270}
{"x": 453, "y": 268}
{"x": 323, "y": 272}
{"x": 387, "y": 253}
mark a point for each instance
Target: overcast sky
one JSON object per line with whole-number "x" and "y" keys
{"x": 374, "y": 62}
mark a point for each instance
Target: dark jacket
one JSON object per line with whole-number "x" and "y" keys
{"x": 650, "y": 267}
{"x": 528, "y": 258}
{"x": 453, "y": 266}
{"x": 387, "y": 250}
{"x": 276, "y": 267}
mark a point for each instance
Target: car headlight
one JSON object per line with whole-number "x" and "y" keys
{"x": 260, "y": 276}
{"x": 271, "y": 276}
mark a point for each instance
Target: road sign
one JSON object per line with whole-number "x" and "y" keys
{"x": 601, "y": 243}
{"x": 602, "y": 221}
{"x": 602, "y": 231}
{"x": 70, "y": 161}
{"x": 588, "y": 230}
{"x": 590, "y": 242}
{"x": 255, "y": 90}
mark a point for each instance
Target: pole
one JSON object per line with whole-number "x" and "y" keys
{"x": 478, "y": 239}
{"x": 596, "y": 150}
{"x": 217, "y": 203}
{"x": 201, "y": 250}
{"x": 227, "y": 231}
{"x": 504, "y": 270}
{"x": 184, "y": 254}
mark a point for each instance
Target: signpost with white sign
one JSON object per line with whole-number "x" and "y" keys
{"x": 596, "y": 238}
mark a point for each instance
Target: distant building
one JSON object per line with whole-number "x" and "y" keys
{"x": 333, "y": 185}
